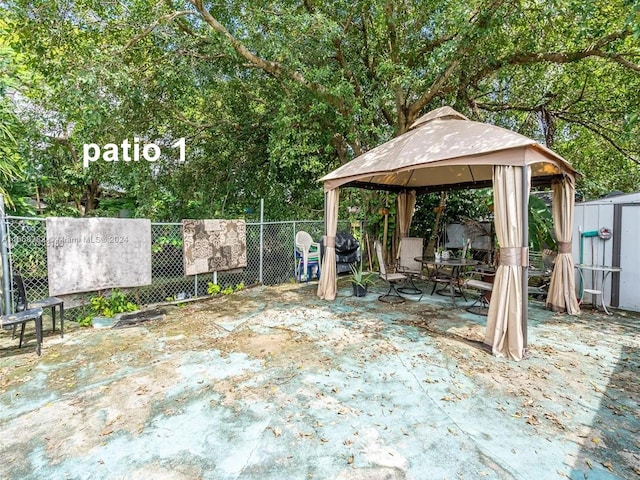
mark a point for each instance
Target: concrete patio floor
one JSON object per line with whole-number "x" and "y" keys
{"x": 273, "y": 383}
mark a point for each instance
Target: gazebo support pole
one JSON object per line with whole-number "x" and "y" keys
{"x": 324, "y": 234}
{"x": 525, "y": 244}
{"x": 325, "y": 213}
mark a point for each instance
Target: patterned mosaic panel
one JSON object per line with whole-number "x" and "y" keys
{"x": 214, "y": 245}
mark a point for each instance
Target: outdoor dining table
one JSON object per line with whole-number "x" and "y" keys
{"x": 456, "y": 265}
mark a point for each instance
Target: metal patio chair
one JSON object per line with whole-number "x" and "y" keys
{"x": 392, "y": 296}
{"x": 410, "y": 249}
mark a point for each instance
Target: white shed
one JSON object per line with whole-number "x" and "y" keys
{"x": 621, "y": 215}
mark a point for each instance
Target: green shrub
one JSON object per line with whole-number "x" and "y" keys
{"x": 102, "y": 306}
{"x": 213, "y": 288}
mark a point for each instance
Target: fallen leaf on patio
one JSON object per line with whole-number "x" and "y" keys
{"x": 608, "y": 465}
{"x": 595, "y": 440}
{"x": 589, "y": 464}
{"x": 350, "y": 459}
{"x": 277, "y": 431}
{"x": 452, "y": 431}
{"x": 532, "y": 420}
{"x": 551, "y": 417}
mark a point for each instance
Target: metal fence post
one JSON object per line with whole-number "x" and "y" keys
{"x": 295, "y": 263}
{"x": 5, "y": 305}
{"x": 260, "y": 279}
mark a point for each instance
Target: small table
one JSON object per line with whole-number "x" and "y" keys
{"x": 456, "y": 264}
{"x": 594, "y": 290}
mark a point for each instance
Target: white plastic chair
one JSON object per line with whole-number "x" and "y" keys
{"x": 307, "y": 256}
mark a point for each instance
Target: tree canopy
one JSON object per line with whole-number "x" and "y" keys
{"x": 269, "y": 96}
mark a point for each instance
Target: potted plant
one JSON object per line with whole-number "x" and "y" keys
{"x": 360, "y": 280}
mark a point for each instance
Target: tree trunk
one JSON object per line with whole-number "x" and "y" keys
{"x": 93, "y": 190}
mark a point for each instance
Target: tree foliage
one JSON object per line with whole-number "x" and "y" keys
{"x": 272, "y": 95}
{"x": 13, "y": 75}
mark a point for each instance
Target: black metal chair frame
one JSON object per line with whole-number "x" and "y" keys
{"x": 392, "y": 296}
{"x": 416, "y": 271}
{"x": 481, "y": 305}
{"x": 449, "y": 281}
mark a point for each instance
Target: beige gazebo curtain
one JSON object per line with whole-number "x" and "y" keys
{"x": 505, "y": 331}
{"x": 562, "y": 290}
{"x": 406, "y": 206}
{"x": 327, "y": 285}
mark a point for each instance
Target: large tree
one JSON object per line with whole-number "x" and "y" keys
{"x": 271, "y": 95}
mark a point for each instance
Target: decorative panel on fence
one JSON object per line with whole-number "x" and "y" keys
{"x": 88, "y": 254}
{"x": 213, "y": 245}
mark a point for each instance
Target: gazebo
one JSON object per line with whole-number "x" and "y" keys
{"x": 444, "y": 150}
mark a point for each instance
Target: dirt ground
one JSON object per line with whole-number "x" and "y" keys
{"x": 274, "y": 383}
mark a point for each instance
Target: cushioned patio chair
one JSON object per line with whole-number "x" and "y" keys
{"x": 392, "y": 296}
{"x": 477, "y": 280}
{"x": 410, "y": 249}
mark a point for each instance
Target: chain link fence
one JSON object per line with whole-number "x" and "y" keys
{"x": 270, "y": 260}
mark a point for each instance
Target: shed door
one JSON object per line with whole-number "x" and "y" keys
{"x": 630, "y": 258}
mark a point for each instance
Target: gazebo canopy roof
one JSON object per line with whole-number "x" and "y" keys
{"x": 444, "y": 150}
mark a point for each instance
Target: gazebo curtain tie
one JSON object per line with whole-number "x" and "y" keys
{"x": 514, "y": 256}
{"x": 329, "y": 242}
